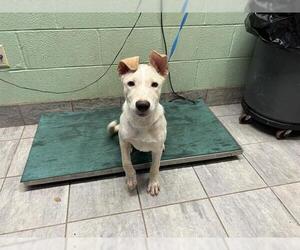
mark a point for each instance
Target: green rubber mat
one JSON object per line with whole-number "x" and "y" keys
{"x": 71, "y": 145}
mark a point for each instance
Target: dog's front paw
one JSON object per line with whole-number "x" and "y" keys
{"x": 153, "y": 187}
{"x": 131, "y": 182}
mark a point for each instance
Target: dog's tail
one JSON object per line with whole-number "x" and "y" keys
{"x": 113, "y": 128}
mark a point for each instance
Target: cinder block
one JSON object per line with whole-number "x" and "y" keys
{"x": 243, "y": 43}
{"x": 202, "y": 42}
{"x": 13, "y": 52}
{"x": 141, "y": 43}
{"x": 46, "y": 49}
{"x": 27, "y": 21}
{"x": 126, "y": 20}
{"x": 222, "y": 73}
{"x": 64, "y": 79}
{"x": 225, "y": 18}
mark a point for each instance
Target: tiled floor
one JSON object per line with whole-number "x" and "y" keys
{"x": 254, "y": 195}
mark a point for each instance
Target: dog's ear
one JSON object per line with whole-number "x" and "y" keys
{"x": 128, "y": 64}
{"x": 159, "y": 62}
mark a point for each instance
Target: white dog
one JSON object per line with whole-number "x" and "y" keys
{"x": 142, "y": 122}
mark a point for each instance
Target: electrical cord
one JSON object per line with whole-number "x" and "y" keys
{"x": 177, "y": 96}
{"x": 87, "y": 85}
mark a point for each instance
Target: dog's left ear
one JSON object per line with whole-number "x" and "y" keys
{"x": 159, "y": 62}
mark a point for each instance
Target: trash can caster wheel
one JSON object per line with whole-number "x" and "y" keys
{"x": 245, "y": 119}
{"x": 282, "y": 134}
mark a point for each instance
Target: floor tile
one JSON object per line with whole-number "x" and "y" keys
{"x": 11, "y": 133}
{"x": 186, "y": 243}
{"x": 108, "y": 243}
{"x": 292, "y": 145}
{"x": 274, "y": 162}
{"x": 20, "y": 158}
{"x": 228, "y": 176}
{"x": 176, "y": 185}
{"x": 255, "y": 214}
{"x": 29, "y": 131}
{"x": 225, "y": 110}
{"x": 82, "y": 105}
{"x": 22, "y": 209}
{"x": 45, "y": 232}
{"x": 10, "y": 116}
{"x": 120, "y": 225}
{"x": 191, "y": 219}
{"x": 246, "y": 133}
{"x": 263, "y": 243}
{"x": 100, "y": 198}
{"x": 290, "y": 196}
{"x": 32, "y": 112}
{"x": 28, "y": 243}
{"x": 7, "y": 151}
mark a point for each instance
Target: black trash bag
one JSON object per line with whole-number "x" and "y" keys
{"x": 282, "y": 29}
{"x": 273, "y": 6}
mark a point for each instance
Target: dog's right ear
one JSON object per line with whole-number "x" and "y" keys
{"x": 128, "y": 64}
{"x": 159, "y": 62}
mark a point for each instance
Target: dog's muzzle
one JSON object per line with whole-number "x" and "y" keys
{"x": 142, "y": 107}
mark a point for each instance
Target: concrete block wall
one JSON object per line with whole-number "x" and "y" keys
{"x": 64, "y": 51}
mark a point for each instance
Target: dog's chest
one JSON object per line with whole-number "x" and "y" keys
{"x": 145, "y": 140}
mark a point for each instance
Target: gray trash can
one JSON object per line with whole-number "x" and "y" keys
{"x": 272, "y": 90}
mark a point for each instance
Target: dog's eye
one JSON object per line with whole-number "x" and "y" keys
{"x": 131, "y": 84}
{"x": 154, "y": 85}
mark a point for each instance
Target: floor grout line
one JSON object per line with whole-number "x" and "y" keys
{"x": 103, "y": 216}
{"x": 288, "y": 210}
{"x": 1, "y": 184}
{"x": 6, "y": 140}
{"x": 270, "y": 187}
{"x": 30, "y": 229}
{"x": 22, "y": 138}
{"x": 284, "y": 184}
{"x": 211, "y": 203}
{"x": 142, "y": 211}
{"x": 238, "y": 192}
{"x": 175, "y": 203}
{"x": 256, "y": 170}
{"x": 14, "y": 154}
{"x": 68, "y": 208}
{"x": 224, "y": 240}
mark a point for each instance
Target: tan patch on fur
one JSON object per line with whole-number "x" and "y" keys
{"x": 159, "y": 62}
{"x": 128, "y": 64}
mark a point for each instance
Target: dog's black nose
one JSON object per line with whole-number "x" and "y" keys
{"x": 142, "y": 106}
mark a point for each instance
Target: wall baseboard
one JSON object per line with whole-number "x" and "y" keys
{"x": 28, "y": 114}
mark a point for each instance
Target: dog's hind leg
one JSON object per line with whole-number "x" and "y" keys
{"x": 127, "y": 164}
{"x": 153, "y": 186}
